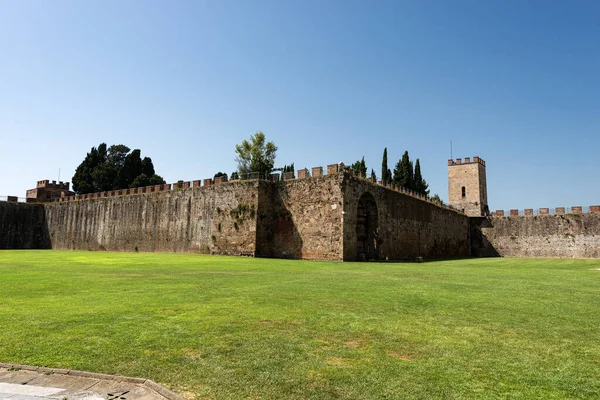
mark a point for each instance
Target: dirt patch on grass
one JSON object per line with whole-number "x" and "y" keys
{"x": 192, "y": 354}
{"x": 339, "y": 361}
{"x": 190, "y": 395}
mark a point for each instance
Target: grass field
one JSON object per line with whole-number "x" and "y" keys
{"x": 226, "y": 328}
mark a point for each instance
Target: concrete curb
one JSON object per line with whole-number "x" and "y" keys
{"x": 167, "y": 393}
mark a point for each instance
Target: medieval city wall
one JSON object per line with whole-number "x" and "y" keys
{"x": 575, "y": 235}
{"x": 408, "y": 226}
{"x": 23, "y": 226}
{"x": 216, "y": 219}
{"x": 301, "y": 218}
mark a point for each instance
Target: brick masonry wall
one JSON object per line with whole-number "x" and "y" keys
{"x": 564, "y": 236}
{"x": 408, "y": 227}
{"x": 23, "y": 226}
{"x": 217, "y": 219}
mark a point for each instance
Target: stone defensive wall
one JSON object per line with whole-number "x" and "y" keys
{"x": 569, "y": 233}
{"x": 334, "y": 216}
{"x": 409, "y": 225}
{"x": 215, "y": 219}
{"x": 23, "y": 226}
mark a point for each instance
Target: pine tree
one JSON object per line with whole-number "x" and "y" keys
{"x": 373, "y": 176}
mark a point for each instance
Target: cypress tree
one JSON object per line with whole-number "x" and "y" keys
{"x": 385, "y": 172}
{"x": 403, "y": 172}
{"x": 420, "y": 185}
{"x": 360, "y": 168}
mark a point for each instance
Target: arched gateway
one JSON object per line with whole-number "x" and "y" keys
{"x": 367, "y": 228}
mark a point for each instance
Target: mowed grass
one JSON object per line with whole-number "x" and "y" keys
{"x": 214, "y": 327}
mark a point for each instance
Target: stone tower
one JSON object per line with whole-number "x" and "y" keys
{"x": 467, "y": 186}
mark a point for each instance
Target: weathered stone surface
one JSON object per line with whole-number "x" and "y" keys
{"x": 407, "y": 227}
{"x": 337, "y": 217}
{"x": 23, "y": 226}
{"x": 317, "y": 217}
{"x": 212, "y": 219}
{"x": 301, "y": 218}
{"x": 566, "y": 236}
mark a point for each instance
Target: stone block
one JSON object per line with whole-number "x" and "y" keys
{"x": 559, "y": 211}
{"x": 208, "y": 182}
{"x": 124, "y": 192}
{"x": 197, "y": 183}
{"x": 595, "y": 209}
{"x": 275, "y": 177}
{"x": 12, "y": 199}
{"x": 528, "y": 211}
{"x": 467, "y": 160}
{"x": 158, "y": 188}
{"x": 332, "y": 169}
{"x": 149, "y": 189}
{"x": 317, "y": 171}
{"x": 500, "y": 213}
{"x": 186, "y": 185}
{"x": 166, "y": 187}
{"x": 220, "y": 179}
{"x": 303, "y": 173}
{"x": 178, "y": 185}
{"x": 140, "y": 190}
{"x": 288, "y": 175}
{"x": 459, "y": 160}
{"x": 96, "y": 195}
{"x": 514, "y": 213}
{"x": 544, "y": 211}
{"x": 577, "y": 209}
{"x": 132, "y": 190}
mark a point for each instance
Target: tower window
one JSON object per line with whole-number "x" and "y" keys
{"x": 464, "y": 191}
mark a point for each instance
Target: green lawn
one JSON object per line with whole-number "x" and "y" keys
{"x": 214, "y": 327}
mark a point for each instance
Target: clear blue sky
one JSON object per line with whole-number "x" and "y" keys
{"x": 514, "y": 82}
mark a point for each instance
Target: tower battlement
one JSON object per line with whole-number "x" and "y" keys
{"x": 46, "y": 190}
{"x": 467, "y": 160}
{"x": 52, "y": 185}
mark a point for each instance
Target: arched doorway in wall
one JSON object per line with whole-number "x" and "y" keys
{"x": 367, "y": 228}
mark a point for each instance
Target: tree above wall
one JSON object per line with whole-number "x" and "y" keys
{"x": 115, "y": 167}
{"x": 255, "y": 157}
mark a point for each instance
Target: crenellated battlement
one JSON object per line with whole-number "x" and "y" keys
{"x": 528, "y": 212}
{"x": 459, "y": 161}
{"x": 52, "y": 185}
{"x": 304, "y": 173}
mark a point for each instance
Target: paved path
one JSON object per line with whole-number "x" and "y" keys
{"x": 32, "y": 383}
